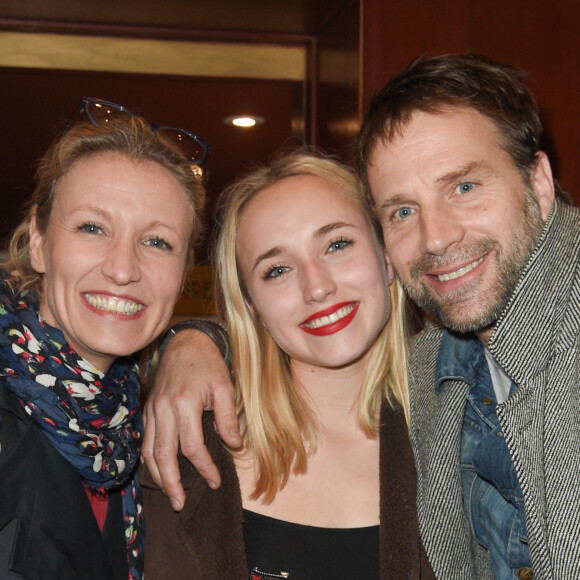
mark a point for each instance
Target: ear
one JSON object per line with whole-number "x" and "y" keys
{"x": 36, "y": 247}
{"x": 390, "y": 269}
{"x": 542, "y": 182}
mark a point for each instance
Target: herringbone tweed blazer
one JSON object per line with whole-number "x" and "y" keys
{"x": 536, "y": 341}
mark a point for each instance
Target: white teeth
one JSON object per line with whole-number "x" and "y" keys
{"x": 111, "y": 304}
{"x": 331, "y": 318}
{"x": 460, "y": 272}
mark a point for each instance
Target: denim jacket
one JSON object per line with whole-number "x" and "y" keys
{"x": 491, "y": 493}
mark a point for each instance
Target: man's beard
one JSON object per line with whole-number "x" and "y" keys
{"x": 450, "y": 307}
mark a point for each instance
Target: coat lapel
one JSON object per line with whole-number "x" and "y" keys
{"x": 211, "y": 523}
{"x": 436, "y": 424}
{"x": 400, "y": 547}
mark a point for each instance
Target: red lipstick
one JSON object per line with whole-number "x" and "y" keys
{"x": 325, "y": 328}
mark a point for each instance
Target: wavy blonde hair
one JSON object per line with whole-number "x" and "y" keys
{"x": 131, "y": 138}
{"x": 278, "y": 425}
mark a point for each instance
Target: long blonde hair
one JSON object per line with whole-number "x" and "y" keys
{"x": 278, "y": 425}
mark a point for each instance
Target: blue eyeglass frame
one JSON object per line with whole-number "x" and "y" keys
{"x": 86, "y": 102}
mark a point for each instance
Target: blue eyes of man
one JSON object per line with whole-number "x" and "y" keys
{"x": 403, "y": 213}
{"x": 465, "y": 187}
{"x": 462, "y": 188}
{"x": 155, "y": 242}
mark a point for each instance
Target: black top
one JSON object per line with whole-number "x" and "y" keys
{"x": 279, "y": 549}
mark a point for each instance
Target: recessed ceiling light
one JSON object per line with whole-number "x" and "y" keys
{"x": 244, "y": 120}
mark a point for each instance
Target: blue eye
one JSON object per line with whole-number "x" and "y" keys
{"x": 465, "y": 187}
{"x": 276, "y": 272}
{"x": 158, "y": 243}
{"x": 403, "y": 212}
{"x": 90, "y": 228}
{"x": 339, "y": 245}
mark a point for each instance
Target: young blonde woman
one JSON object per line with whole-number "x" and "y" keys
{"x": 93, "y": 275}
{"x": 324, "y": 484}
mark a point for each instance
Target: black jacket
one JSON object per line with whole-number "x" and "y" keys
{"x": 56, "y": 536}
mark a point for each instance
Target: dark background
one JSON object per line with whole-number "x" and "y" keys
{"x": 351, "y": 48}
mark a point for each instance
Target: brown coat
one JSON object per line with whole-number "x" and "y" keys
{"x": 205, "y": 540}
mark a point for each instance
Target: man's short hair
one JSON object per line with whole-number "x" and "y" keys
{"x": 431, "y": 84}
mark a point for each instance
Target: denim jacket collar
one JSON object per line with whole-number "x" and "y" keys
{"x": 458, "y": 359}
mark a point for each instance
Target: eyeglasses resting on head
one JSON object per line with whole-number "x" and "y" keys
{"x": 194, "y": 148}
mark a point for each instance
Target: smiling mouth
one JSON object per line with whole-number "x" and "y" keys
{"x": 331, "y": 318}
{"x": 460, "y": 272}
{"x": 112, "y": 304}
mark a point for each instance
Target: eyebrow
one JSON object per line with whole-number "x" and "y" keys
{"x": 463, "y": 171}
{"x": 450, "y": 177}
{"x": 324, "y": 230}
{"x": 330, "y": 228}
{"x": 108, "y": 215}
{"x": 387, "y": 203}
{"x": 95, "y": 208}
{"x": 266, "y": 256}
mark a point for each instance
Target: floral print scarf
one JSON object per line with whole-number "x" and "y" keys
{"x": 93, "y": 420}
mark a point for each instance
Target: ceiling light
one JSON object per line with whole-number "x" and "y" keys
{"x": 244, "y": 120}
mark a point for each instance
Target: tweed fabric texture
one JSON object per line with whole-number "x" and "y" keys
{"x": 537, "y": 342}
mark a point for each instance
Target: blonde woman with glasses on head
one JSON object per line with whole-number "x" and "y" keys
{"x": 93, "y": 274}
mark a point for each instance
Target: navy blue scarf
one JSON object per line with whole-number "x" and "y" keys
{"x": 92, "y": 420}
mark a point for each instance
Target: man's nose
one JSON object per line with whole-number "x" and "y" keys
{"x": 440, "y": 229}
